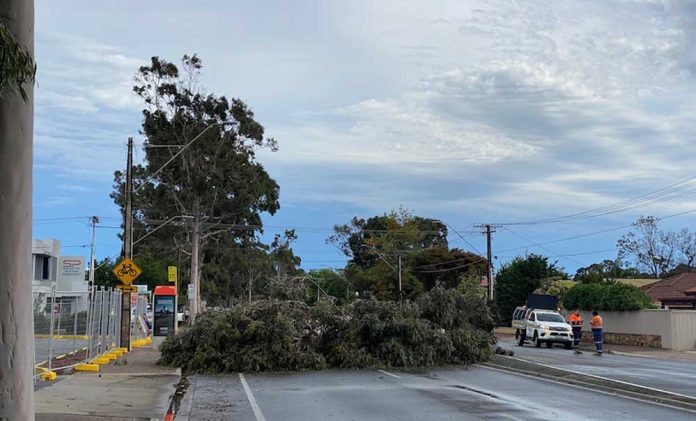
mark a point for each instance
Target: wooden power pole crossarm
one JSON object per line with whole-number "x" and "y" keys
{"x": 16, "y": 137}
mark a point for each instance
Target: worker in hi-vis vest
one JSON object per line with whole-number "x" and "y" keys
{"x": 576, "y": 324}
{"x": 596, "y": 324}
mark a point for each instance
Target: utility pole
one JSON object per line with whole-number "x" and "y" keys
{"x": 489, "y": 257}
{"x": 95, "y": 221}
{"x": 127, "y": 246}
{"x": 16, "y": 141}
{"x": 488, "y": 230}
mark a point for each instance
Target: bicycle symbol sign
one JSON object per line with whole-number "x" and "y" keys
{"x": 127, "y": 271}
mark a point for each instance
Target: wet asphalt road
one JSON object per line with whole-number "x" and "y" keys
{"x": 60, "y": 347}
{"x": 476, "y": 394}
{"x": 673, "y": 376}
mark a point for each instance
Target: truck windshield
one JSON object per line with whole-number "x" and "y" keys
{"x": 550, "y": 317}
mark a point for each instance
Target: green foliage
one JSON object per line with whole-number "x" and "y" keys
{"x": 331, "y": 282}
{"x": 261, "y": 336}
{"x": 608, "y": 297}
{"x": 442, "y": 327}
{"x": 376, "y": 245}
{"x": 606, "y": 271}
{"x": 557, "y": 287}
{"x": 396, "y": 232}
{"x": 214, "y": 185}
{"x": 440, "y": 265}
{"x": 515, "y": 280}
{"x": 17, "y": 66}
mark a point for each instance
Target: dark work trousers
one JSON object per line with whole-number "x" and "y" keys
{"x": 577, "y": 336}
{"x": 597, "y": 334}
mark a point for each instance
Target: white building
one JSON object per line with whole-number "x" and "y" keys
{"x": 50, "y": 270}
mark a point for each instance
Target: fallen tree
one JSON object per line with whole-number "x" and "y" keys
{"x": 441, "y": 327}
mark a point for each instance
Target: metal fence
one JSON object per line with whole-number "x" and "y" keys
{"x": 72, "y": 328}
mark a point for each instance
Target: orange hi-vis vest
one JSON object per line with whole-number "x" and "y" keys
{"x": 596, "y": 322}
{"x": 575, "y": 320}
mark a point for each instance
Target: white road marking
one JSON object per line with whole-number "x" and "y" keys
{"x": 389, "y": 374}
{"x": 252, "y": 401}
{"x": 603, "y": 378}
{"x": 586, "y": 388}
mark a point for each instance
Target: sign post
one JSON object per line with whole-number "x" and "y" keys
{"x": 126, "y": 272}
{"x": 173, "y": 278}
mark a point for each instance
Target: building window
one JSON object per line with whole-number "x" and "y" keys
{"x": 44, "y": 267}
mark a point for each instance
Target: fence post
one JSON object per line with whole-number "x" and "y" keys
{"x": 74, "y": 309}
{"x": 60, "y": 311}
{"x": 112, "y": 318}
{"x": 50, "y": 329}
{"x": 88, "y": 327}
{"x": 101, "y": 322}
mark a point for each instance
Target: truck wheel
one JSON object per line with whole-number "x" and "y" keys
{"x": 537, "y": 342}
{"x": 568, "y": 345}
{"x": 549, "y": 344}
{"x": 521, "y": 339}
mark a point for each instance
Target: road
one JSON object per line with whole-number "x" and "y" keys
{"x": 60, "y": 347}
{"x": 673, "y": 376}
{"x": 478, "y": 393}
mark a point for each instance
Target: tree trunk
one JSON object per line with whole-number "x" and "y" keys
{"x": 195, "y": 272}
{"x": 16, "y": 319}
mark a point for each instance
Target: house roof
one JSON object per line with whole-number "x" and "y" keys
{"x": 673, "y": 288}
{"x": 690, "y": 292}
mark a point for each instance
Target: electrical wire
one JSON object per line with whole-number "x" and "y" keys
{"x": 545, "y": 248}
{"x": 671, "y": 192}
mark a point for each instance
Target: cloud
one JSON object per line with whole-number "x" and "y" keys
{"x": 74, "y": 188}
{"x": 56, "y": 201}
{"x": 563, "y": 105}
{"x": 49, "y": 99}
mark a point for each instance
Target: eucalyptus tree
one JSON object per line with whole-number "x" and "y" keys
{"x": 200, "y": 164}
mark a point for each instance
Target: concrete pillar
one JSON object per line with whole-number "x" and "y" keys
{"x": 16, "y": 319}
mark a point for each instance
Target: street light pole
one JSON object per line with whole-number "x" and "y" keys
{"x": 95, "y": 221}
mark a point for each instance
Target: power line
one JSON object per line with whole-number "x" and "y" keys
{"x": 671, "y": 192}
{"x": 545, "y": 248}
{"x": 589, "y": 234}
{"x": 451, "y": 269}
{"x": 460, "y": 236}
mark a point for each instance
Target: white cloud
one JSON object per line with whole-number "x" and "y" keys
{"x": 74, "y": 188}
{"x": 56, "y": 201}
{"x": 558, "y": 105}
{"x": 68, "y": 102}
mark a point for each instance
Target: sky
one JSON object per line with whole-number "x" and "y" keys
{"x": 467, "y": 111}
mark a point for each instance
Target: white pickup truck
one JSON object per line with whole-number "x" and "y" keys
{"x": 541, "y": 327}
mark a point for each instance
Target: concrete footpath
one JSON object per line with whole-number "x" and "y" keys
{"x": 133, "y": 387}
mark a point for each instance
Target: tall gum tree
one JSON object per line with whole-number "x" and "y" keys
{"x": 17, "y": 71}
{"x": 215, "y": 184}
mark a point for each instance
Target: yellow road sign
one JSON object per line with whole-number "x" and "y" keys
{"x": 171, "y": 271}
{"x": 127, "y": 271}
{"x": 128, "y": 288}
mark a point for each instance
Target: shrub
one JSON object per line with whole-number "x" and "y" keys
{"x": 262, "y": 336}
{"x": 607, "y": 297}
{"x": 442, "y": 327}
